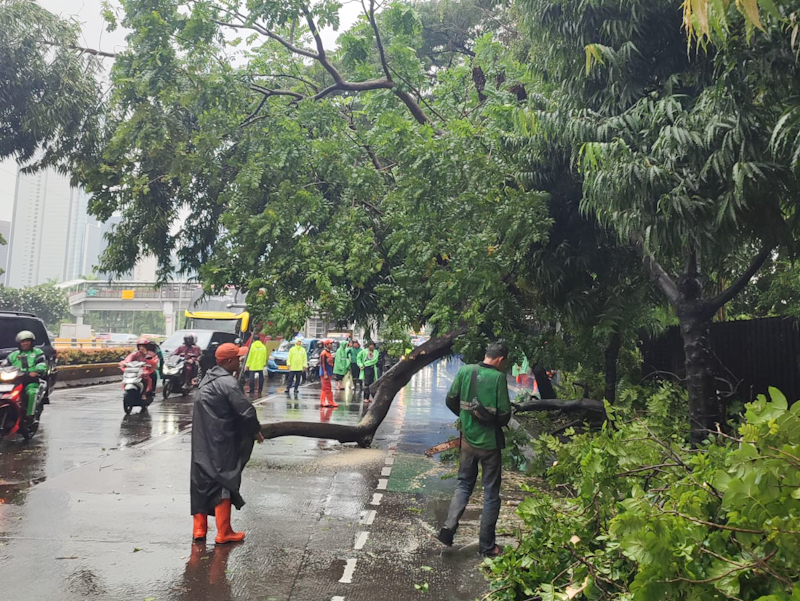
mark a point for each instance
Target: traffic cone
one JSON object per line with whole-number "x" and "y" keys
{"x": 225, "y": 533}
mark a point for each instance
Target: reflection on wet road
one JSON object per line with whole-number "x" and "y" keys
{"x": 97, "y": 507}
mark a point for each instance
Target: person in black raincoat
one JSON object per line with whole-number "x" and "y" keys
{"x": 224, "y": 426}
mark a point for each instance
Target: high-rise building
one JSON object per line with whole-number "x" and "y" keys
{"x": 52, "y": 236}
{"x": 40, "y": 228}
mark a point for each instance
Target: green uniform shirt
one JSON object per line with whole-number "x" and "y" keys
{"x": 492, "y": 393}
{"x": 32, "y": 360}
{"x": 352, "y": 353}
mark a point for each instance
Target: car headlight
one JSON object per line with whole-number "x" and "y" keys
{"x": 8, "y": 375}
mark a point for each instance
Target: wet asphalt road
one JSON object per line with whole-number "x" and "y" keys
{"x": 97, "y": 506}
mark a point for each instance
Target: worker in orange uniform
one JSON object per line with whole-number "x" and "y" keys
{"x": 325, "y": 374}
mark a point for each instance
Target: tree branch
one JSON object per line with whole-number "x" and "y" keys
{"x": 743, "y": 279}
{"x": 268, "y": 92}
{"x": 355, "y": 86}
{"x": 309, "y": 83}
{"x": 385, "y": 388}
{"x": 590, "y": 405}
{"x": 263, "y": 31}
{"x": 371, "y": 16}
{"x": 661, "y": 277}
{"x": 83, "y": 50}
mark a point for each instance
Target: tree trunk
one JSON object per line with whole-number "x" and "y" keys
{"x": 611, "y": 357}
{"x": 705, "y": 407}
{"x": 546, "y": 390}
{"x": 385, "y": 389}
{"x": 590, "y": 405}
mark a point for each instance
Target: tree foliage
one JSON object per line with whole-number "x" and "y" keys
{"x": 49, "y": 90}
{"x": 631, "y": 513}
{"x": 45, "y": 301}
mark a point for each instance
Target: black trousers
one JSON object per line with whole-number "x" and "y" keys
{"x": 369, "y": 378}
{"x": 260, "y": 375}
{"x": 356, "y": 371}
{"x": 293, "y": 377}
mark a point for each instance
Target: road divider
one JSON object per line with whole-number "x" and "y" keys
{"x": 73, "y": 376}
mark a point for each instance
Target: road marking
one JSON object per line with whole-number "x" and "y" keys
{"x": 390, "y": 460}
{"x": 382, "y": 483}
{"x": 376, "y": 499}
{"x": 349, "y": 569}
{"x": 386, "y": 471}
{"x": 337, "y": 598}
{"x": 368, "y": 517}
{"x": 361, "y": 540}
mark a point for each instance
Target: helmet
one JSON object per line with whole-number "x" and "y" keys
{"x": 190, "y": 339}
{"x": 25, "y": 335}
{"x": 320, "y": 344}
{"x": 328, "y": 341}
{"x": 142, "y": 340}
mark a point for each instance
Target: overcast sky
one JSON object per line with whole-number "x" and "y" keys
{"x": 88, "y": 13}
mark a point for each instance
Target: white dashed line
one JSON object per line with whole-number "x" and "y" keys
{"x": 368, "y": 517}
{"x": 386, "y": 471}
{"x": 361, "y": 540}
{"x": 337, "y": 598}
{"x": 376, "y": 499}
{"x": 382, "y": 483}
{"x": 349, "y": 569}
{"x": 390, "y": 460}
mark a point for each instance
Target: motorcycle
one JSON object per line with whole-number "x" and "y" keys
{"x": 13, "y": 399}
{"x": 312, "y": 371}
{"x": 175, "y": 375}
{"x": 135, "y": 386}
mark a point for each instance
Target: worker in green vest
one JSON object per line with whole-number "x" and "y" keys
{"x": 368, "y": 362}
{"x": 31, "y": 361}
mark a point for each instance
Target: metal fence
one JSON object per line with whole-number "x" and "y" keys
{"x": 753, "y": 355}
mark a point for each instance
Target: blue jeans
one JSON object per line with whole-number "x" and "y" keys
{"x": 492, "y": 464}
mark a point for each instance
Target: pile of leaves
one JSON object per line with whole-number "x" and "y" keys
{"x": 93, "y": 356}
{"x": 633, "y": 512}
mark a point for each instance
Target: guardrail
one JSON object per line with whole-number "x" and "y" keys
{"x": 81, "y": 375}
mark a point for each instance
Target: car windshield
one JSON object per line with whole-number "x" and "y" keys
{"x": 11, "y": 325}
{"x": 170, "y": 344}
{"x": 284, "y": 346}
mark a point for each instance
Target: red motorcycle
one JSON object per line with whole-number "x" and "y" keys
{"x": 13, "y": 418}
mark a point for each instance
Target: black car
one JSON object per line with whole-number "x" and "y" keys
{"x": 207, "y": 340}
{"x": 12, "y": 323}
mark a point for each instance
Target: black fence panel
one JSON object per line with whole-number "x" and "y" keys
{"x": 753, "y": 355}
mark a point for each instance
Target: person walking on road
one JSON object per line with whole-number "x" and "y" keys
{"x": 256, "y": 362}
{"x": 298, "y": 361}
{"x": 224, "y": 426}
{"x": 355, "y": 370}
{"x": 325, "y": 375}
{"x": 367, "y": 361}
{"x": 341, "y": 364}
{"x": 479, "y": 396}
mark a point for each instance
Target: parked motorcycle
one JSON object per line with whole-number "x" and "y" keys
{"x": 135, "y": 377}
{"x": 13, "y": 418}
{"x": 176, "y": 376}
{"x": 312, "y": 371}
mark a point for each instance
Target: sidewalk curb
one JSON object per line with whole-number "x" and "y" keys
{"x": 73, "y": 376}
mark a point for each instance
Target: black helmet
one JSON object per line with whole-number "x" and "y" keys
{"x": 190, "y": 339}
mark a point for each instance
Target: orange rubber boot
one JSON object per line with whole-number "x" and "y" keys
{"x": 225, "y": 533}
{"x": 200, "y": 526}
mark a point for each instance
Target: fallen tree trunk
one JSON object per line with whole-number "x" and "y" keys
{"x": 590, "y": 405}
{"x": 384, "y": 389}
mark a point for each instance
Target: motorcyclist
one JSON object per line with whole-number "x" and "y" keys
{"x": 191, "y": 353}
{"x": 32, "y": 362}
{"x": 144, "y": 352}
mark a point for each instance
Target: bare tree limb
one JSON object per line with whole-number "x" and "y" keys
{"x": 385, "y": 389}
{"x": 590, "y": 405}
{"x": 269, "y": 92}
{"x": 661, "y": 277}
{"x": 743, "y": 279}
{"x": 83, "y": 50}
{"x": 371, "y": 16}
{"x": 263, "y": 31}
{"x": 309, "y": 83}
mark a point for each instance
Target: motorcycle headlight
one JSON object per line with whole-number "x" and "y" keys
{"x": 8, "y": 375}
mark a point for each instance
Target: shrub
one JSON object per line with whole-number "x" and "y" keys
{"x": 632, "y": 512}
{"x": 92, "y": 356}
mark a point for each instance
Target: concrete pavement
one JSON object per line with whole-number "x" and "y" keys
{"x": 97, "y": 506}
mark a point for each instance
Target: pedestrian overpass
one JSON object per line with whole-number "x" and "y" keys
{"x": 94, "y": 295}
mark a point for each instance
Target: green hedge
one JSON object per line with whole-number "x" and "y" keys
{"x": 92, "y": 356}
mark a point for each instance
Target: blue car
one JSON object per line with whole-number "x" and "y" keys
{"x": 278, "y": 360}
